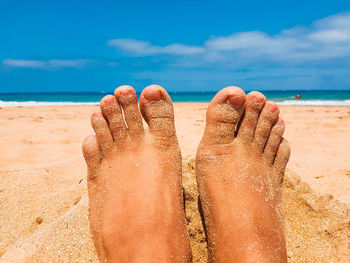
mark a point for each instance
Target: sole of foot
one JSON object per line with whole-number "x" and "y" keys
{"x": 134, "y": 179}
{"x": 240, "y": 166}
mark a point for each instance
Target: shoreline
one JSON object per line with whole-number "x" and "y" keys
{"x": 29, "y": 104}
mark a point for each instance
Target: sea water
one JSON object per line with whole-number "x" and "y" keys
{"x": 311, "y": 97}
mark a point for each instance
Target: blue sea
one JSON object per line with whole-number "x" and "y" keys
{"x": 314, "y": 97}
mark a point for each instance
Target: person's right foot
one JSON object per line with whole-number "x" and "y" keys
{"x": 134, "y": 179}
{"x": 240, "y": 166}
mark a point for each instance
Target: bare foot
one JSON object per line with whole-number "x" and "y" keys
{"x": 134, "y": 179}
{"x": 240, "y": 165}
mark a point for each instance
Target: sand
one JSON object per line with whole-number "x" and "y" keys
{"x": 43, "y": 201}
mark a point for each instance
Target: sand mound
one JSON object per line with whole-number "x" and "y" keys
{"x": 317, "y": 227}
{"x": 33, "y": 229}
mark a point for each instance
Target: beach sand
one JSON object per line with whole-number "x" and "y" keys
{"x": 44, "y": 205}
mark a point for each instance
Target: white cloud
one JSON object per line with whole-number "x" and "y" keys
{"x": 327, "y": 38}
{"x": 20, "y": 63}
{"x": 145, "y": 48}
{"x": 330, "y": 36}
{"x": 58, "y": 63}
{"x": 45, "y": 64}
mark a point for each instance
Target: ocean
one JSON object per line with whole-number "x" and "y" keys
{"x": 314, "y": 98}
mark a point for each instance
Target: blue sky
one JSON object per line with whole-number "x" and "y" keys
{"x": 50, "y": 46}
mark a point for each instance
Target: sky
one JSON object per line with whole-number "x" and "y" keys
{"x": 93, "y": 46}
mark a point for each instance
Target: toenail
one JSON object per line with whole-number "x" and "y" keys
{"x": 258, "y": 98}
{"x": 284, "y": 140}
{"x": 280, "y": 121}
{"x": 109, "y": 100}
{"x": 89, "y": 138}
{"x": 152, "y": 94}
{"x": 125, "y": 90}
{"x": 235, "y": 100}
{"x": 271, "y": 106}
{"x": 97, "y": 114}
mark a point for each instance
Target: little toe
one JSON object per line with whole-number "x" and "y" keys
{"x": 274, "y": 141}
{"x": 112, "y": 112}
{"x": 91, "y": 154}
{"x": 267, "y": 119}
{"x": 157, "y": 110}
{"x": 282, "y": 156}
{"x": 126, "y": 96}
{"x": 255, "y": 102}
{"x": 103, "y": 134}
{"x": 223, "y": 114}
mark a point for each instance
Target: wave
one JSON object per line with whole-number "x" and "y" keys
{"x": 43, "y": 103}
{"x": 315, "y": 102}
{"x": 71, "y": 103}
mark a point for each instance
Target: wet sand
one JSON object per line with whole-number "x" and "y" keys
{"x": 43, "y": 203}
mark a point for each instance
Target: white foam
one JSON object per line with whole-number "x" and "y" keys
{"x": 71, "y": 103}
{"x": 43, "y": 103}
{"x": 315, "y": 102}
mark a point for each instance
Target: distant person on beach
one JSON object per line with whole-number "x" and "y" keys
{"x": 134, "y": 179}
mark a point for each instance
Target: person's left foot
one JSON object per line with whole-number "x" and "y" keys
{"x": 134, "y": 180}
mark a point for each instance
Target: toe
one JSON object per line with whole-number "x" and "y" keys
{"x": 267, "y": 119}
{"x": 157, "y": 110}
{"x": 112, "y": 112}
{"x": 273, "y": 141}
{"x": 224, "y": 113}
{"x": 91, "y": 154}
{"x": 103, "y": 134}
{"x": 127, "y": 98}
{"x": 255, "y": 102}
{"x": 282, "y": 156}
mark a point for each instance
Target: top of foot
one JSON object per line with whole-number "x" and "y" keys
{"x": 240, "y": 165}
{"x": 134, "y": 179}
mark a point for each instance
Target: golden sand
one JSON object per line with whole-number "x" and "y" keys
{"x": 317, "y": 226}
{"x": 44, "y": 208}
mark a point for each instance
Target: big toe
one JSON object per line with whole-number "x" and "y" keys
{"x": 223, "y": 115}
{"x": 157, "y": 110}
